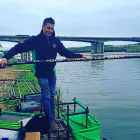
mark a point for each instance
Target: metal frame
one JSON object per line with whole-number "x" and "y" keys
{"x": 70, "y": 114}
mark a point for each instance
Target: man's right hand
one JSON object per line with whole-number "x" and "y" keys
{"x": 3, "y": 62}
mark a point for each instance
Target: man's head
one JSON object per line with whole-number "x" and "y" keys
{"x": 48, "y": 26}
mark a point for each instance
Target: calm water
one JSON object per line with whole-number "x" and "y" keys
{"x": 111, "y": 90}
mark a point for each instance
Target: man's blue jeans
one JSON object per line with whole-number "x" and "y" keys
{"x": 48, "y": 92}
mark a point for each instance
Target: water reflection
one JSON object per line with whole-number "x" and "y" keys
{"x": 97, "y": 64}
{"x": 111, "y": 90}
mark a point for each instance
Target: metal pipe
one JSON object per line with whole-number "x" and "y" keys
{"x": 0, "y": 112}
{"x": 66, "y": 103}
{"x": 25, "y": 87}
{"x": 67, "y": 122}
{"x": 71, "y": 114}
{"x": 87, "y": 111}
{"x": 33, "y": 87}
{"x": 74, "y": 105}
{"x": 3, "y": 91}
{"x": 58, "y": 107}
{"x": 8, "y": 89}
{"x": 39, "y": 90}
{"x": 80, "y": 104}
{"x": 28, "y": 87}
{"x": 11, "y": 88}
{"x": 19, "y": 90}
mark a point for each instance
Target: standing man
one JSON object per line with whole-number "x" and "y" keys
{"x": 45, "y": 46}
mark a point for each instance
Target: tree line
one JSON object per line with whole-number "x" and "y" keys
{"x": 107, "y": 48}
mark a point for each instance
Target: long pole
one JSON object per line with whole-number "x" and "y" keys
{"x": 69, "y": 60}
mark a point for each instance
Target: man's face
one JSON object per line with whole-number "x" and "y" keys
{"x": 48, "y": 29}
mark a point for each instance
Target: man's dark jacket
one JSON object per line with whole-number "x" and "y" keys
{"x": 44, "y": 49}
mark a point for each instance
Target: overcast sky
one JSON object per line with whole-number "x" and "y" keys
{"x": 81, "y": 18}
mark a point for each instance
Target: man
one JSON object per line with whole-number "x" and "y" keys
{"x": 45, "y": 46}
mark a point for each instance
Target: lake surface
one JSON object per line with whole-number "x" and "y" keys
{"x": 111, "y": 90}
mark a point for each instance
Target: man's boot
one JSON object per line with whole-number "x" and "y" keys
{"x": 53, "y": 127}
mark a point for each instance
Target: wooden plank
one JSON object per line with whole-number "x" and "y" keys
{"x": 32, "y": 136}
{"x": 21, "y": 70}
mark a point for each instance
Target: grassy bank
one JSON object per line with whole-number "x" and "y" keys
{"x": 9, "y": 105}
{"x": 134, "y": 49}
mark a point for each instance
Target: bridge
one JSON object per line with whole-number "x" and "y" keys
{"x": 97, "y": 43}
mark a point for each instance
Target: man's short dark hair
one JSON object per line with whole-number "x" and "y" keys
{"x": 48, "y": 20}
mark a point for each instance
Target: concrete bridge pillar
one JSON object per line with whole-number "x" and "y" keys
{"x": 93, "y": 48}
{"x": 97, "y": 47}
{"x": 102, "y": 47}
